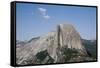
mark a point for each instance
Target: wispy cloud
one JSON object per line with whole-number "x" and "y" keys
{"x": 46, "y": 16}
{"x": 43, "y": 12}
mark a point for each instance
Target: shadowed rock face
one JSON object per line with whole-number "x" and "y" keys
{"x": 49, "y": 48}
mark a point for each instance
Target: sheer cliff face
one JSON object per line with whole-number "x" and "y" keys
{"x": 69, "y": 37}
{"x": 50, "y": 46}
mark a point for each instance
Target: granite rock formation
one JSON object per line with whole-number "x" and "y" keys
{"x": 55, "y": 47}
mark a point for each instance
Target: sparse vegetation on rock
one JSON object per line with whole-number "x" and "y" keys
{"x": 60, "y": 46}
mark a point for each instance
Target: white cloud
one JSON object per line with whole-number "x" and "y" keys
{"x": 43, "y": 12}
{"x": 46, "y": 16}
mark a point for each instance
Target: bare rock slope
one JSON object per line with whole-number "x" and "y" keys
{"x": 55, "y": 47}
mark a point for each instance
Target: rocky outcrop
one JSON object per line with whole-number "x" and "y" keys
{"x": 69, "y": 37}
{"x": 51, "y": 48}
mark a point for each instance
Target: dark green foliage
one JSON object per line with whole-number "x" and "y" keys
{"x": 69, "y": 53}
{"x": 50, "y": 60}
{"x": 91, "y": 48}
{"x": 42, "y": 55}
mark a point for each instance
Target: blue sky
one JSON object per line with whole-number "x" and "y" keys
{"x": 33, "y": 20}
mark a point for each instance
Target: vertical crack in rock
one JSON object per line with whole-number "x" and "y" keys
{"x": 69, "y": 37}
{"x": 56, "y": 46}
